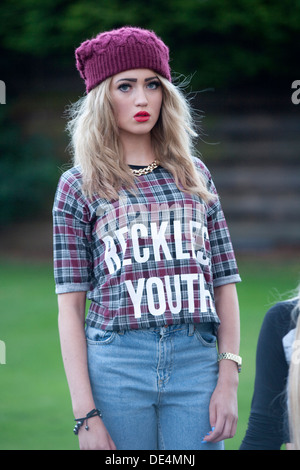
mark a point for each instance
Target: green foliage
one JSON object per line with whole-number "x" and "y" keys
{"x": 27, "y": 172}
{"x": 225, "y": 41}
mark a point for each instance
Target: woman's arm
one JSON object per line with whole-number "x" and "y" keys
{"x": 267, "y": 424}
{"x": 223, "y": 404}
{"x": 71, "y": 319}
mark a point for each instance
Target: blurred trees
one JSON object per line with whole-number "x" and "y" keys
{"x": 224, "y": 41}
{"x": 28, "y": 171}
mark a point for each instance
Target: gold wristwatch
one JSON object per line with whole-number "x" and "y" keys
{"x": 231, "y": 357}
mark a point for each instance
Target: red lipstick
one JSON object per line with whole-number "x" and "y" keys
{"x": 141, "y": 116}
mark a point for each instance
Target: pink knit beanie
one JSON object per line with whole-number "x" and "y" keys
{"x": 118, "y": 50}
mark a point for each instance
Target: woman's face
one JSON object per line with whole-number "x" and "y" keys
{"x": 136, "y": 98}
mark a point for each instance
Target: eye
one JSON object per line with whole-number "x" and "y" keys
{"x": 153, "y": 85}
{"x": 124, "y": 87}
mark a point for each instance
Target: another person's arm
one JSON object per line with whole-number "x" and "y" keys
{"x": 267, "y": 426}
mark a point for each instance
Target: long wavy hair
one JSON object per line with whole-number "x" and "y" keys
{"x": 96, "y": 147}
{"x": 294, "y": 382}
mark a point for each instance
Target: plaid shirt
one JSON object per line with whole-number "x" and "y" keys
{"x": 146, "y": 260}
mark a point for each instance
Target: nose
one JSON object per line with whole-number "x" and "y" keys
{"x": 141, "y": 98}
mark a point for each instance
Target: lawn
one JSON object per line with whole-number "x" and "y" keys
{"x": 35, "y": 408}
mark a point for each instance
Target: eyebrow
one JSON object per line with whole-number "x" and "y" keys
{"x": 135, "y": 79}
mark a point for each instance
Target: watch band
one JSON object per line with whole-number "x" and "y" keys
{"x": 231, "y": 357}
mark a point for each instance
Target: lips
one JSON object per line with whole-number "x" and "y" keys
{"x": 141, "y": 116}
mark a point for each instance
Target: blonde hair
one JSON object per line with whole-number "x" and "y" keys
{"x": 97, "y": 150}
{"x": 294, "y": 382}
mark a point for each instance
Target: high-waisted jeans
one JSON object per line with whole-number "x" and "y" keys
{"x": 154, "y": 386}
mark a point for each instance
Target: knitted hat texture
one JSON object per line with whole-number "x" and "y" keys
{"x": 118, "y": 50}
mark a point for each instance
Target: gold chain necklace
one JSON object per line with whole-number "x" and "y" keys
{"x": 146, "y": 170}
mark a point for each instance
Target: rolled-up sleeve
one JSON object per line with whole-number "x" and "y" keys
{"x": 224, "y": 266}
{"x": 71, "y": 239}
{"x": 223, "y": 260}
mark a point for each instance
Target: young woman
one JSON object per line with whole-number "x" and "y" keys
{"x": 140, "y": 232}
{"x": 272, "y": 422}
{"x": 293, "y": 395}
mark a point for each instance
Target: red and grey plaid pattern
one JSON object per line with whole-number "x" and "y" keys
{"x": 147, "y": 260}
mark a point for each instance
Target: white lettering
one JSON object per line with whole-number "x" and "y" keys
{"x": 125, "y": 460}
{"x": 173, "y": 308}
{"x": 111, "y": 254}
{"x": 296, "y": 95}
{"x": 136, "y": 296}
{"x": 120, "y": 235}
{"x": 170, "y": 459}
{"x": 161, "y": 296}
{"x": 178, "y": 241}
{"x": 188, "y": 238}
{"x": 2, "y": 353}
{"x": 198, "y": 241}
{"x": 153, "y": 459}
{"x": 160, "y": 289}
{"x": 195, "y": 238}
{"x": 2, "y": 92}
{"x": 190, "y": 278}
{"x": 134, "y": 235}
{"x": 159, "y": 240}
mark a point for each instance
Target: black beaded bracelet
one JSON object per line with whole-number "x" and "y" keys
{"x": 80, "y": 421}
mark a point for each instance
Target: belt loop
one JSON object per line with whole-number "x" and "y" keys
{"x": 191, "y": 329}
{"x": 121, "y": 332}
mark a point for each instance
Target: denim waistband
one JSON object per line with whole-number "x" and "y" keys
{"x": 169, "y": 329}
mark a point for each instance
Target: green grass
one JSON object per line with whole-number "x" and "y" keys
{"x": 35, "y": 407}
{"x": 35, "y": 410}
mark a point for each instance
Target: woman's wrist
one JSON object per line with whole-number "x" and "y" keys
{"x": 83, "y": 407}
{"x": 228, "y": 373}
{"x": 84, "y": 420}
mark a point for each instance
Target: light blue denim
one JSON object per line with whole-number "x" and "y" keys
{"x": 154, "y": 386}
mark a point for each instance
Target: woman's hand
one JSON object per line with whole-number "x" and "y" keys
{"x": 223, "y": 408}
{"x": 223, "y": 412}
{"x": 74, "y": 352}
{"x": 97, "y": 436}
